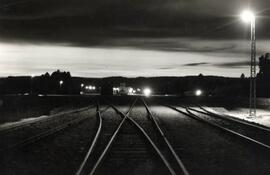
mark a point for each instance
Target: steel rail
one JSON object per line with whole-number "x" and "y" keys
{"x": 242, "y": 135}
{"x": 227, "y": 117}
{"x": 179, "y": 161}
{"x": 190, "y": 114}
{"x": 94, "y": 142}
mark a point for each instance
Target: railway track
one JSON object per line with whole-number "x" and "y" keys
{"x": 230, "y": 118}
{"x": 244, "y": 130}
{"x": 110, "y": 128}
{"x": 127, "y": 144}
{"x": 208, "y": 149}
{"x": 140, "y": 140}
{"x": 228, "y": 127}
{"x": 45, "y": 131}
{"x": 94, "y": 142}
{"x": 174, "y": 155}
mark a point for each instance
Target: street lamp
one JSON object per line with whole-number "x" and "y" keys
{"x": 249, "y": 17}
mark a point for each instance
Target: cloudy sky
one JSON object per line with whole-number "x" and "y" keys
{"x": 99, "y": 38}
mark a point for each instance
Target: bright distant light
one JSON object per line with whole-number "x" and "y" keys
{"x": 130, "y": 90}
{"x": 61, "y": 82}
{"x": 147, "y": 92}
{"x": 247, "y": 16}
{"x": 198, "y": 92}
{"x": 82, "y": 85}
{"x": 116, "y": 89}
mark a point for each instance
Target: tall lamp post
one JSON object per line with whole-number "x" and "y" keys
{"x": 31, "y": 84}
{"x": 249, "y": 17}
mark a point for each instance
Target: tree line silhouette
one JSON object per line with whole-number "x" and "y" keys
{"x": 211, "y": 85}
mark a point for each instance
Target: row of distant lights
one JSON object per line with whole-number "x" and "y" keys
{"x": 116, "y": 89}
{"x": 133, "y": 91}
{"x": 88, "y": 87}
{"x": 146, "y": 91}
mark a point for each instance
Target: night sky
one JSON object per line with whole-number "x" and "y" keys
{"x": 99, "y": 38}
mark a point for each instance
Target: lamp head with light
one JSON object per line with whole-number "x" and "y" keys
{"x": 247, "y": 16}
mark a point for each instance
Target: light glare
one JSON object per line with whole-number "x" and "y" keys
{"x": 130, "y": 90}
{"x": 198, "y": 92}
{"x": 147, "y": 92}
{"x": 247, "y": 16}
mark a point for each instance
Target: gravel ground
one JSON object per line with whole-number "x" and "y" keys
{"x": 9, "y": 138}
{"x": 16, "y": 108}
{"x": 252, "y": 132}
{"x": 262, "y": 115}
{"x": 206, "y": 150}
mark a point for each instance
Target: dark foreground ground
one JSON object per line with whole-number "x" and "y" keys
{"x": 204, "y": 150}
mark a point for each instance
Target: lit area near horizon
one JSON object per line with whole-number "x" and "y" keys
{"x": 28, "y": 59}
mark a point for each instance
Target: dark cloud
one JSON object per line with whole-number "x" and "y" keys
{"x": 196, "y": 64}
{"x": 238, "y": 64}
{"x": 234, "y": 64}
{"x": 84, "y": 22}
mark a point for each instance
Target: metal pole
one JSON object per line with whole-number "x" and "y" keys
{"x": 252, "y": 102}
{"x": 31, "y": 85}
